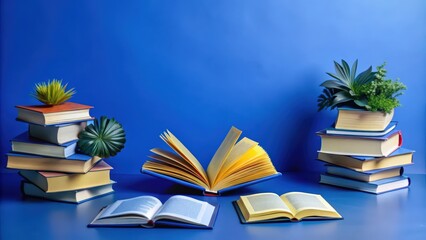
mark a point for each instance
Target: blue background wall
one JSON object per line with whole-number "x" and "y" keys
{"x": 199, "y": 67}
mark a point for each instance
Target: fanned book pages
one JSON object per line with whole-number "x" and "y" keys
{"x": 148, "y": 211}
{"x": 292, "y": 206}
{"x": 235, "y": 164}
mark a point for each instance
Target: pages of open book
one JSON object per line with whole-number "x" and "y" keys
{"x": 185, "y": 209}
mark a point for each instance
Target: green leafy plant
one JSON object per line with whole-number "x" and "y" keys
{"x": 103, "y": 138}
{"x": 52, "y": 92}
{"x": 369, "y": 90}
{"x": 382, "y": 93}
{"x": 344, "y": 86}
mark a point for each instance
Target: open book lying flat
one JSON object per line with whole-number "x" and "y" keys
{"x": 235, "y": 164}
{"x": 148, "y": 211}
{"x": 292, "y": 206}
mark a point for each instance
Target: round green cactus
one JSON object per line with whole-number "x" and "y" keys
{"x": 104, "y": 138}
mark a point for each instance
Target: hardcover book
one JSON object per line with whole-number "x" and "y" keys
{"x": 23, "y": 143}
{"x": 148, "y": 211}
{"x": 48, "y": 115}
{"x": 233, "y": 165}
{"x": 357, "y": 119}
{"x": 59, "y": 182}
{"x": 77, "y": 163}
{"x": 335, "y": 131}
{"x": 361, "y": 146}
{"x": 400, "y": 157}
{"x": 57, "y": 134}
{"x": 292, "y": 206}
{"x": 76, "y": 196}
{"x": 376, "y": 187}
{"x": 367, "y": 176}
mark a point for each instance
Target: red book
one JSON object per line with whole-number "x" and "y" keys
{"x": 49, "y": 115}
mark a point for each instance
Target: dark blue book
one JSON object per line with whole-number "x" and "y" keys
{"x": 376, "y": 187}
{"x": 23, "y": 143}
{"x": 74, "y": 196}
{"x": 335, "y": 131}
{"x": 148, "y": 211}
{"x": 399, "y": 157}
{"x": 58, "y": 133}
{"x": 76, "y": 163}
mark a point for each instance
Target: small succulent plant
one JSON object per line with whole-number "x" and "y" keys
{"x": 103, "y": 138}
{"x": 52, "y": 92}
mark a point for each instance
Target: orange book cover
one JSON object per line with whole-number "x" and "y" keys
{"x": 67, "y": 106}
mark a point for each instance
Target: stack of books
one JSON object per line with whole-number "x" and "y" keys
{"x": 362, "y": 151}
{"x": 47, "y": 158}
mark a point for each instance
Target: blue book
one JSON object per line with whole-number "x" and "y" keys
{"x": 335, "y": 131}
{"x": 58, "y": 133}
{"x": 23, "y": 143}
{"x": 399, "y": 157}
{"x": 76, "y": 163}
{"x": 73, "y": 196}
{"x": 235, "y": 164}
{"x": 148, "y": 211}
{"x": 376, "y": 187}
{"x": 377, "y": 146}
{"x": 367, "y": 176}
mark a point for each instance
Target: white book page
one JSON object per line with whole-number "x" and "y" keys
{"x": 186, "y": 209}
{"x": 264, "y": 202}
{"x": 302, "y": 201}
{"x": 144, "y": 206}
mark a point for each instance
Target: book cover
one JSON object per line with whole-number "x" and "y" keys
{"x": 376, "y": 187}
{"x": 335, "y": 131}
{"x": 398, "y": 158}
{"x": 76, "y": 196}
{"x": 59, "y": 181}
{"x": 367, "y": 176}
{"x": 64, "y": 107}
{"x": 23, "y": 143}
{"x": 374, "y": 146}
{"x": 76, "y": 163}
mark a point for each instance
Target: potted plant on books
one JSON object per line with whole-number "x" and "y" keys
{"x": 365, "y": 101}
{"x": 103, "y": 138}
{"x": 52, "y": 93}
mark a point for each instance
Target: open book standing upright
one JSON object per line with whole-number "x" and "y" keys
{"x": 148, "y": 211}
{"x": 235, "y": 164}
{"x": 292, "y": 206}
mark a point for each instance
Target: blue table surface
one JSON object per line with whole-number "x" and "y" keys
{"x": 399, "y": 214}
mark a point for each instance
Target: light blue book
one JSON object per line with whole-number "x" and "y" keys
{"x": 376, "y": 187}
{"x": 23, "y": 143}
{"x": 148, "y": 211}
{"x": 367, "y": 176}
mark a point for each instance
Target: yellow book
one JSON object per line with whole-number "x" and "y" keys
{"x": 292, "y": 206}
{"x": 235, "y": 164}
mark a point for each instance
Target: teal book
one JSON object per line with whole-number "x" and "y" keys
{"x": 376, "y": 187}
{"x": 148, "y": 211}
{"x": 235, "y": 164}
{"x": 23, "y": 143}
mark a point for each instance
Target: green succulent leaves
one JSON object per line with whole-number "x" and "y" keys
{"x": 104, "y": 138}
{"x": 369, "y": 90}
{"x": 52, "y": 92}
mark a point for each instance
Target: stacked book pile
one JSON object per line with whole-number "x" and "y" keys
{"x": 47, "y": 158}
{"x": 362, "y": 151}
